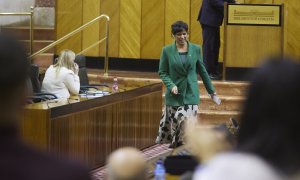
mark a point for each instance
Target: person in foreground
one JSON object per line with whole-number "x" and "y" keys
{"x": 62, "y": 78}
{"x": 127, "y": 163}
{"x": 179, "y": 64}
{"x": 268, "y": 145}
{"x": 18, "y": 160}
{"x": 204, "y": 141}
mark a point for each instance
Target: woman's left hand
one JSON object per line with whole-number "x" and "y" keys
{"x": 215, "y": 98}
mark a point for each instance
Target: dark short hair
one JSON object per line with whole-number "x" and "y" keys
{"x": 14, "y": 64}
{"x": 179, "y": 26}
{"x": 270, "y": 121}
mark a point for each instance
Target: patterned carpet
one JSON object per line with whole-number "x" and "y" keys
{"x": 152, "y": 154}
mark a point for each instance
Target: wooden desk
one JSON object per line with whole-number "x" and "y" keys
{"x": 90, "y": 129}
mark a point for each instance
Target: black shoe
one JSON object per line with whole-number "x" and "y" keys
{"x": 233, "y": 126}
{"x": 172, "y": 146}
{"x": 175, "y": 145}
{"x": 214, "y": 77}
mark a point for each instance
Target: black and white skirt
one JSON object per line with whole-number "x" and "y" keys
{"x": 171, "y": 126}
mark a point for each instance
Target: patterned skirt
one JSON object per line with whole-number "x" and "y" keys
{"x": 171, "y": 126}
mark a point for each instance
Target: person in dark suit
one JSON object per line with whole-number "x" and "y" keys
{"x": 178, "y": 67}
{"x": 211, "y": 17}
{"x": 18, "y": 160}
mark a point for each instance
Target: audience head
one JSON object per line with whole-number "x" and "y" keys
{"x": 13, "y": 73}
{"x": 206, "y": 141}
{"x": 66, "y": 59}
{"x": 127, "y": 164}
{"x": 179, "y": 26}
{"x": 271, "y": 117}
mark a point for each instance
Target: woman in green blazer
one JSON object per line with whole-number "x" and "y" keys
{"x": 179, "y": 64}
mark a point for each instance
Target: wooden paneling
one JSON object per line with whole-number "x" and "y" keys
{"x": 259, "y": 1}
{"x": 112, "y": 9}
{"x": 152, "y": 37}
{"x": 91, "y": 9}
{"x": 138, "y": 126}
{"x": 90, "y": 129}
{"x": 222, "y": 43}
{"x": 37, "y": 131}
{"x": 130, "y": 28}
{"x": 140, "y": 28}
{"x": 195, "y": 28}
{"x": 248, "y": 45}
{"x": 263, "y": 1}
{"x": 280, "y": 1}
{"x": 175, "y": 10}
{"x": 68, "y": 18}
{"x": 292, "y": 26}
{"x": 291, "y": 17}
{"x": 86, "y": 135}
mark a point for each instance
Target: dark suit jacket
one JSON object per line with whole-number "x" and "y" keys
{"x": 19, "y": 161}
{"x": 172, "y": 72}
{"x": 212, "y": 11}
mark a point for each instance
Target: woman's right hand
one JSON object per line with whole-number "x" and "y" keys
{"x": 174, "y": 90}
{"x": 76, "y": 68}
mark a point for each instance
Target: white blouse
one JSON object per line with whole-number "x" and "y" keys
{"x": 63, "y": 84}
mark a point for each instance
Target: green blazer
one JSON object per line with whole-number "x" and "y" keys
{"x": 172, "y": 72}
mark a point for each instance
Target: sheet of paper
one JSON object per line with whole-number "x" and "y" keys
{"x": 94, "y": 94}
{"x": 217, "y": 100}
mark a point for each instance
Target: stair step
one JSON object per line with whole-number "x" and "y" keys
{"x": 232, "y": 95}
{"x": 216, "y": 117}
{"x": 226, "y": 88}
{"x": 229, "y": 103}
{"x": 44, "y": 60}
{"x": 22, "y": 32}
{"x": 38, "y": 45}
{"x": 222, "y": 87}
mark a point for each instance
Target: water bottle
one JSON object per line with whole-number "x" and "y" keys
{"x": 160, "y": 171}
{"x": 115, "y": 86}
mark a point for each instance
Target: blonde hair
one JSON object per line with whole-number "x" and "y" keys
{"x": 65, "y": 59}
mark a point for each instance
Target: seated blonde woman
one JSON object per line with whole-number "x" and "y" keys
{"x": 62, "y": 78}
